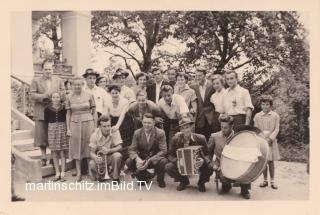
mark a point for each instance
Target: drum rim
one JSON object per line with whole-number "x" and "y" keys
{"x": 260, "y": 134}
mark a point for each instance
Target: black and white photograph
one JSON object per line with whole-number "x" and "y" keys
{"x": 159, "y": 105}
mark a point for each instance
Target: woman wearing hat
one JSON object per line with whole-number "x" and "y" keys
{"x": 102, "y": 82}
{"x": 119, "y": 79}
{"x": 101, "y": 97}
{"x": 183, "y": 139}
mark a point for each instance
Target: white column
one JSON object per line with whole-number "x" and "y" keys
{"x": 76, "y": 39}
{"x": 21, "y": 45}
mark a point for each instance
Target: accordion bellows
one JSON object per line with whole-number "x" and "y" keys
{"x": 245, "y": 157}
{"x": 186, "y": 160}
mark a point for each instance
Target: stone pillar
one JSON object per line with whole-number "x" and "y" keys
{"x": 21, "y": 45}
{"x": 76, "y": 40}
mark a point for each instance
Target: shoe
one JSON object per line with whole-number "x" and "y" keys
{"x": 56, "y": 178}
{"x": 182, "y": 185}
{"x": 16, "y": 198}
{"x": 201, "y": 188}
{"x": 63, "y": 178}
{"x": 78, "y": 178}
{"x": 43, "y": 162}
{"x": 245, "y": 194}
{"x": 274, "y": 186}
{"x": 161, "y": 184}
{"x": 225, "y": 188}
{"x": 116, "y": 180}
{"x": 264, "y": 184}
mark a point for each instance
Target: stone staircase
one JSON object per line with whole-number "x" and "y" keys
{"x": 27, "y": 162}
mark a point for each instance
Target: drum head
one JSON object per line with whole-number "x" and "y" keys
{"x": 246, "y": 157}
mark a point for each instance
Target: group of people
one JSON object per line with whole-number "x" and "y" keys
{"x": 141, "y": 127}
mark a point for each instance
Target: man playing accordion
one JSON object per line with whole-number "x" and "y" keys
{"x": 184, "y": 139}
{"x": 109, "y": 143}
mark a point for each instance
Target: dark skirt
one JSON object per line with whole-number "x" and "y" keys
{"x": 126, "y": 129}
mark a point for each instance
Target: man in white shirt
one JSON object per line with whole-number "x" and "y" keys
{"x": 101, "y": 97}
{"x": 173, "y": 108}
{"x": 237, "y": 101}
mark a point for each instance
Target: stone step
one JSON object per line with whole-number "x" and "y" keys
{"x": 48, "y": 170}
{"x": 21, "y": 135}
{"x": 28, "y": 164}
{"x": 24, "y": 145}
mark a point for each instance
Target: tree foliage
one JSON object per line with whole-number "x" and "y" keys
{"x": 133, "y": 35}
{"x": 48, "y": 26}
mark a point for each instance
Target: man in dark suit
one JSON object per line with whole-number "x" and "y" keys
{"x": 148, "y": 150}
{"x": 205, "y": 112}
{"x": 153, "y": 89}
{"x": 183, "y": 139}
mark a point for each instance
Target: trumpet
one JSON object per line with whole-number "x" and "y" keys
{"x": 102, "y": 168}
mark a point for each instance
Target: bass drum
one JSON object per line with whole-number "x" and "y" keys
{"x": 245, "y": 155}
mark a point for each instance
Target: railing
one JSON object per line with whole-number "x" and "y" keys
{"x": 20, "y": 95}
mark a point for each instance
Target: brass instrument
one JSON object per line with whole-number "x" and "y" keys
{"x": 102, "y": 168}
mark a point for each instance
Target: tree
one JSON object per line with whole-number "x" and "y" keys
{"x": 270, "y": 50}
{"x": 133, "y": 35}
{"x": 48, "y": 26}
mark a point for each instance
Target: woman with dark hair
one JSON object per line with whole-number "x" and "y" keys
{"x": 68, "y": 87}
{"x": 141, "y": 80}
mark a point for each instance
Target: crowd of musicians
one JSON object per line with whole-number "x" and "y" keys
{"x": 139, "y": 128}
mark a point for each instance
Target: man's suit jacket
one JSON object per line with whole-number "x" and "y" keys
{"x": 38, "y": 89}
{"x": 155, "y": 149}
{"x": 205, "y": 108}
{"x": 178, "y": 141}
{"x": 151, "y": 90}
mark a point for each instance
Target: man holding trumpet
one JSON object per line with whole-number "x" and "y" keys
{"x": 109, "y": 143}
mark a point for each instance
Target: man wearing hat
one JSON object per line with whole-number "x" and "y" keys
{"x": 205, "y": 109}
{"x": 101, "y": 97}
{"x": 119, "y": 78}
{"x": 183, "y": 139}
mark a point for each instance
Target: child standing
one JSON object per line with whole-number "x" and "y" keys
{"x": 268, "y": 122}
{"x": 55, "y": 116}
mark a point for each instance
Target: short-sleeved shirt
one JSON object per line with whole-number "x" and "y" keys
{"x": 187, "y": 93}
{"x": 98, "y": 140}
{"x": 102, "y": 99}
{"x": 116, "y": 111}
{"x": 177, "y": 107}
{"x": 80, "y": 106}
{"x": 217, "y": 100}
{"x": 237, "y": 100}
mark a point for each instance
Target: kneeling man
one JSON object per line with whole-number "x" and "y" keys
{"x": 103, "y": 139}
{"x": 216, "y": 144}
{"x": 183, "y": 139}
{"x": 148, "y": 150}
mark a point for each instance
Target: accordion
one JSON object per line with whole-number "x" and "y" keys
{"x": 186, "y": 159}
